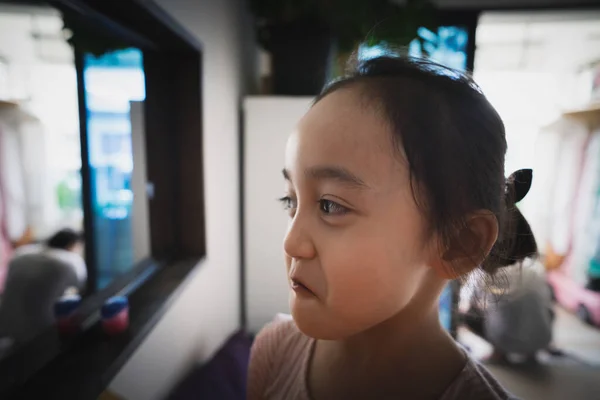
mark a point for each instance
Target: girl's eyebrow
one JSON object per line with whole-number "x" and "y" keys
{"x": 330, "y": 172}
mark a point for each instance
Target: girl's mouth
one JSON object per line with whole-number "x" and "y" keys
{"x": 300, "y": 288}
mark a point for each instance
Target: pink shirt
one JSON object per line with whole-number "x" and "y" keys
{"x": 280, "y": 357}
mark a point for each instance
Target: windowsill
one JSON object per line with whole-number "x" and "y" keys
{"x": 86, "y": 365}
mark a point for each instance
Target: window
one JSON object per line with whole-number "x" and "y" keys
{"x": 136, "y": 181}
{"x": 112, "y": 82}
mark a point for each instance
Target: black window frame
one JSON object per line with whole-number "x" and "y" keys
{"x": 174, "y": 166}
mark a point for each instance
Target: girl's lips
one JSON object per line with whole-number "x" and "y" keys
{"x": 300, "y": 288}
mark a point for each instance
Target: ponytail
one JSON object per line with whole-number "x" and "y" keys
{"x": 516, "y": 242}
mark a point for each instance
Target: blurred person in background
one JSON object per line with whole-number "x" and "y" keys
{"x": 514, "y": 313}
{"x": 38, "y": 275}
{"x": 65, "y": 245}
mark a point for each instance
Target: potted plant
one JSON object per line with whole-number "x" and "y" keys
{"x": 305, "y": 37}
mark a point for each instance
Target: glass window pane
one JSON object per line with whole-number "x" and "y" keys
{"x": 113, "y": 82}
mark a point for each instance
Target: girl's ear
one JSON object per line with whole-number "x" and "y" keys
{"x": 521, "y": 182}
{"x": 470, "y": 246}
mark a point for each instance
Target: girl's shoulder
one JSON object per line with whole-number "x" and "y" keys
{"x": 475, "y": 382}
{"x": 278, "y": 361}
{"x": 279, "y": 336}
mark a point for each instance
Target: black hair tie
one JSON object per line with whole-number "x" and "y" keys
{"x": 518, "y": 185}
{"x": 517, "y": 242}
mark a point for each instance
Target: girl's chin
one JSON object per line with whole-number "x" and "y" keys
{"x": 311, "y": 319}
{"x": 317, "y": 323}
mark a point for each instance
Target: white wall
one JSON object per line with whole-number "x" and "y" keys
{"x": 207, "y": 312}
{"x": 268, "y": 123}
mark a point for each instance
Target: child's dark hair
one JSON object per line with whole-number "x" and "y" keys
{"x": 64, "y": 239}
{"x": 455, "y": 145}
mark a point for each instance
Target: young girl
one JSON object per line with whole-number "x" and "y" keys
{"x": 395, "y": 185}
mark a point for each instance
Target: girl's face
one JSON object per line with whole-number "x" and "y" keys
{"x": 357, "y": 248}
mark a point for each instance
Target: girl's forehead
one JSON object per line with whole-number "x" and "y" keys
{"x": 341, "y": 130}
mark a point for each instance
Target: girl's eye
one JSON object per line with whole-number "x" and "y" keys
{"x": 288, "y": 203}
{"x": 329, "y": 207}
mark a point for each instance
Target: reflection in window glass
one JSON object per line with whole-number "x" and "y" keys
{"x": 112, "y": 82}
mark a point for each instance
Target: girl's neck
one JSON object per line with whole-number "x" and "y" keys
{"x": 409, "y": 354}
{"x": 405, "y": 335}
